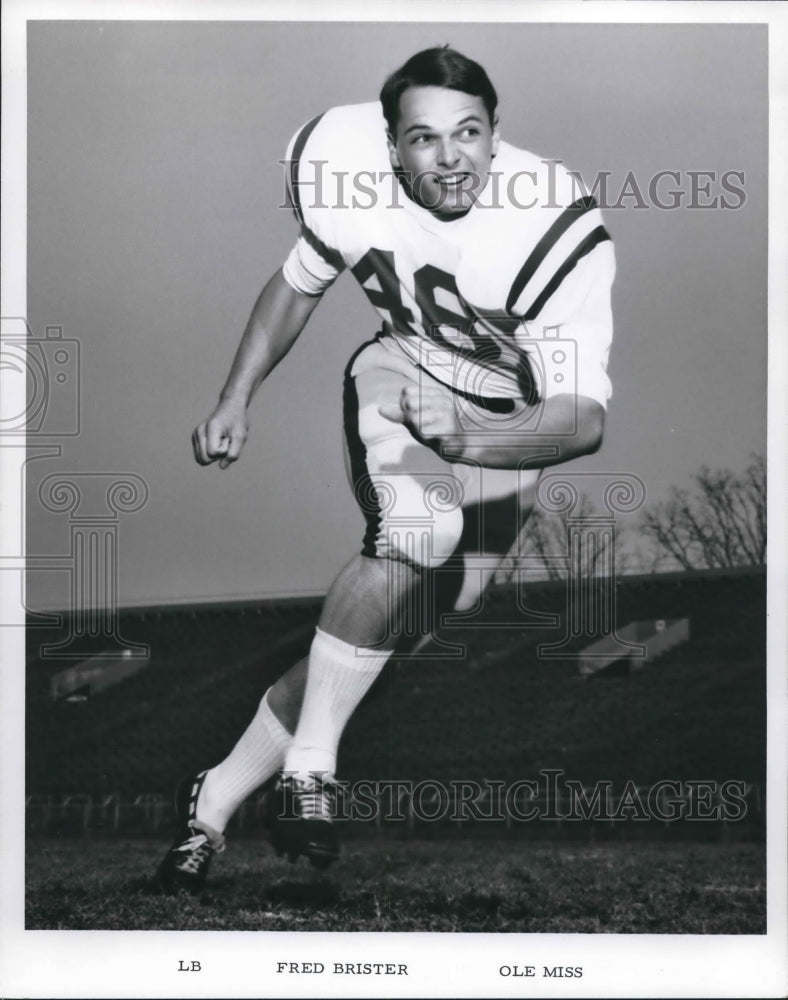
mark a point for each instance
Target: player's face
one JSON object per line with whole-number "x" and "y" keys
{"x": 444, "y": 145}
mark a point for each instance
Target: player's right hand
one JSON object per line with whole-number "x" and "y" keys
{"x": 221, "y": 437}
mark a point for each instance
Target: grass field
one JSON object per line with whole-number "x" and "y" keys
{"x": 399, "y": 885}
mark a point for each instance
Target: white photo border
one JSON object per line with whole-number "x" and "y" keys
{"x": 144, "y": 964}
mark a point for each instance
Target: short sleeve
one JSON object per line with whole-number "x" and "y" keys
{"x": 308, "y": 269}
{"x": 572, "y": 335}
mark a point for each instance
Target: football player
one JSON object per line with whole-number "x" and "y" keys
{"x": 490, "y": 271}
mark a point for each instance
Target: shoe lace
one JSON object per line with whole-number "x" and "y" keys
{"x": 198, "y": 849}
{"x": 315, "y": 799}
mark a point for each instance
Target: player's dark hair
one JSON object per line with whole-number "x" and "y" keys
{"x": 438, "y": 67}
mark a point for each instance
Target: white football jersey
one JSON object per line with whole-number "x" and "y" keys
{"x": 510, "y": 300}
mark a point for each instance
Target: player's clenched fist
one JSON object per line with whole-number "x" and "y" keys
{"x": 222, "y": 435}
{"x": 429, "y": 410}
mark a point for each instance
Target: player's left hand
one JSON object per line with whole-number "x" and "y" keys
{"x": 430, "y": 411}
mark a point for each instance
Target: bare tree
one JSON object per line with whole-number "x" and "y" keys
{"x": 722, "y": 522}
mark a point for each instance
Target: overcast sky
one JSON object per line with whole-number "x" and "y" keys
{"x": 154, "y": 220}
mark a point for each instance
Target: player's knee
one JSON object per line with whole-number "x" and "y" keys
{"x": 426, "y": 545}
{"x": 414, "y": 517}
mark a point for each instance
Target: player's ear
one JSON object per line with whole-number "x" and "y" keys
{"x": 393, "y": 154}
{"x": 495, "y": 136}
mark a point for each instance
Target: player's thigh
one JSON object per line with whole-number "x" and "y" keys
{"x": 411, "y": 498}
{"x": 496, "y": 507}
{"x": 495, "y": 511}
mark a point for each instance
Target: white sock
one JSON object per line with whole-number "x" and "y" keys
{"x": 254, "y": 758}
{"x": 339, "y": 676}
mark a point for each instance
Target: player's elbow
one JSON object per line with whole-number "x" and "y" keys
{"x": 594, "y": 444}
{"x": 592, "y": 427}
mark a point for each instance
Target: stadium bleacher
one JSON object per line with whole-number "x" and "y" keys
{"x": 500, "y": 711}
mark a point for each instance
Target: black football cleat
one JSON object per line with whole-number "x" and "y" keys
{"x": 301, "y": 819}
{"x": 184, "y": 867}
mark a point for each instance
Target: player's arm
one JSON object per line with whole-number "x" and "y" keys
{"x": 278, "y": 317}
{"x": 561, "y": 428}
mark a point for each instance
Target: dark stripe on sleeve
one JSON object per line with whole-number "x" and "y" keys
{"x": 293, "y": 165}
{"x": 329, "y": 256}
{"x": 545, "y": 244}
{"x": 596, "y": 236}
